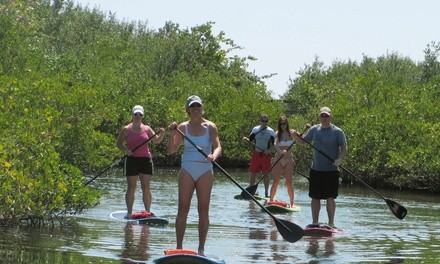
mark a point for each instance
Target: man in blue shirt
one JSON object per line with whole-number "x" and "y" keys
{"x": 324, "y": 174}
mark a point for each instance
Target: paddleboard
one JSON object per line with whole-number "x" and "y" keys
{"x": 279, "y": 207}
{"x": 150, "y": 221}
{"x": 186, "y": 256}
{"x": 320, "y": 230}
{"x": 239, "y": 197}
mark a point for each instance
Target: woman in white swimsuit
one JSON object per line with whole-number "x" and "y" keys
{"x": 196, "y": 173}
{"x": 286, "y": 164}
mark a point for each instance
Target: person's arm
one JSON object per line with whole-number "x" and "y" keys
{"x": 157, "y": 137}
{"x": 277, "y": 148}
{"x": 121, "y": 140}
{"x": 215, "y": 141}
{"x": 174, "y": 138}
{"x": 270, "y": 145}
{"x": 250, "y": 138}
{"x": 343, "y": 150}
{"x": 297, "y": 137}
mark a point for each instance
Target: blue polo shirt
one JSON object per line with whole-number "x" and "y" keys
{"x": 328, "y": 140}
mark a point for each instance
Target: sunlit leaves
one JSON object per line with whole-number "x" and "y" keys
{"x": 69, "y": 77}
{"x": 387, "y": 111}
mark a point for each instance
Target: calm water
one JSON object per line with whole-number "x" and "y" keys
{"x": 239, "y": 232}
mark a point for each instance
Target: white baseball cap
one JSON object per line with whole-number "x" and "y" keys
{"x": 138, "y": 109}
{"x": 193, "y": 99}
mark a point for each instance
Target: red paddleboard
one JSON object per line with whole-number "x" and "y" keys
{"x": 320, "y": 230}
{"x": 142, "y": 217}
{"x": 186, "y": 256}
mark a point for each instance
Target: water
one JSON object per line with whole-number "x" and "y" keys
{"x": 239, "y": 233}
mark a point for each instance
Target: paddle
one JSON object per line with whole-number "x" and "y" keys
{"x": 302, "y": 174}
{"x": 253, "y": 188}
{"x": 397, "y": 209}
{"x": 288, "y": 230}
{"x": 116, "y": 162}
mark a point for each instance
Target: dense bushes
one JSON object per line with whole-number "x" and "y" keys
{"x": 69, "y": 77}
{"x": 387, "y": 107}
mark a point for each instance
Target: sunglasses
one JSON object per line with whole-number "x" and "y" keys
{"x": 264, "y": 121}
{"x": 323, "y": 115}
{"x": 138, "y": 114}
{"x": 195, "y": 105}
{"x": 283, "y": 123}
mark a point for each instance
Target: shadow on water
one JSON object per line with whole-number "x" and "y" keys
{"x": 240, "y": 232}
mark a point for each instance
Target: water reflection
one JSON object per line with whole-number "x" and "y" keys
{"x": 259, "y": 235}
{"x": 240, "y": 231}
{"x": 320, "y": 247}
{"x": 278, "y": 248}
{"x": 136, "y": 246}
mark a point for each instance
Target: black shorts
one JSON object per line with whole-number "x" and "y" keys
{"x": 323, "y": 184}
{"x": 134, "y": 166}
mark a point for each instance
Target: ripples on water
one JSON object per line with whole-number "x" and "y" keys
{"x": 239, "y": 231}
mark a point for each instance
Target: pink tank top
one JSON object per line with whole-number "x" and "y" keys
{"x": 134, "y": 139}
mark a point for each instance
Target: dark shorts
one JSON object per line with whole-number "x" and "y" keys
{"x": 133, "y": 166}
{"x": 323, "y": 184}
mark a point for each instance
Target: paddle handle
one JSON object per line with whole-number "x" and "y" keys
{"x": 349, "y": 172}
{"x": 399, "y": 211}
{"x": 281, "y": 156}
{"x": 146, "y": 141}
{"x": 118, "y": 160}
{"x": 233, "y": 180}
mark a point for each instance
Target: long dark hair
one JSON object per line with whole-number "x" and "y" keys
{"x": 283, "y": 119}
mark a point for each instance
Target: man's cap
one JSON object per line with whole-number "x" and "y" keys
{"x": 325, "y": 110}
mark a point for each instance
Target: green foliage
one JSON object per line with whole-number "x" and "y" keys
{"x": 388, "y": 111}
{"x": 36, "y": 182}
{"x": 69, "y": 77}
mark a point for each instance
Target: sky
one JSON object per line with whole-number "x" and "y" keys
{"x": 286, "y": 35}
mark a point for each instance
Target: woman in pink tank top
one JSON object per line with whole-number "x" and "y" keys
{"x": 138, "y": 162}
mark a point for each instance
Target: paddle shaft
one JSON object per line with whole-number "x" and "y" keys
{"x": 118, "y": 160}
{"x": 274, "y": 164}
{"x": 236, "y": 183}
{"x": 388, "y": 201}
{"x": 302, "y": 174}
{"x": 252, "y": 188}
{"x": 332, "y": 160}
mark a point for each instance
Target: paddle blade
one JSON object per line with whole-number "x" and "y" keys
{"x": 249, "y": 190}
{"x": 288, "y": 230}
{"x": 397, "y": 209}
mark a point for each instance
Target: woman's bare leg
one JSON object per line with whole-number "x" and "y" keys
{"x": 186, "y": 190}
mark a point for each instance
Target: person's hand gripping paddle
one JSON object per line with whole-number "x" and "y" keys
{"x": 253, "y": 188}
{"x": 288, "y": 230}
{"x": 397, "y": 209}
{"x": 118, "y": 161}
